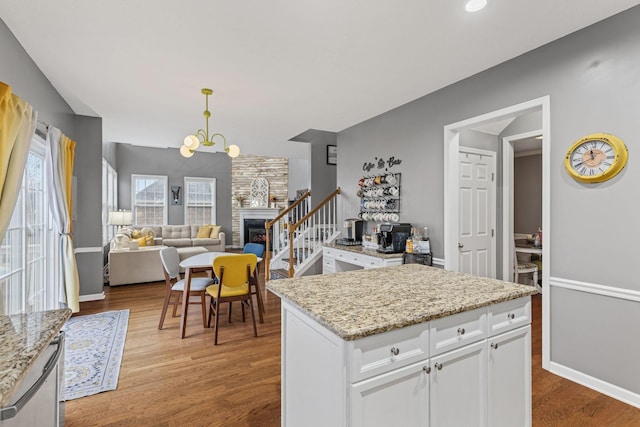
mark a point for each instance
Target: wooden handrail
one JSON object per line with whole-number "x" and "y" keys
{"x": 293, "y": 227}
{"x": 268, "y": 224}
{"x": 317, "y": 208}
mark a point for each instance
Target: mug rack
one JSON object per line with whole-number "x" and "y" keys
{"x": 380, "y": 197}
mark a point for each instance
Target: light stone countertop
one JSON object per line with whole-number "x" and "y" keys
{"x": 23, "y": 337}
{"x": 360, "y": 303}
{"x": 359, "y": 249}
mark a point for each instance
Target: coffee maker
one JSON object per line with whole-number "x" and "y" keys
{"x": 392, "y": 238}
{"x": 353, "y": 227}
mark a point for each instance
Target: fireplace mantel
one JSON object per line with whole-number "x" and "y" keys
{"x": 255, "y": 213}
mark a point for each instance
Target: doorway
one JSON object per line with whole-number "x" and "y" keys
{"x": 451, "y": 195}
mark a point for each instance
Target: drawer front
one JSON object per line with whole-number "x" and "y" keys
{"x": 458, "y": 330}
{"x": 328, "y": 265}
{"x": 385, "y": 352}
{"x": 509, "y": 315}
{"x": 371, "y": 262}
{"x": 328, "y": 252}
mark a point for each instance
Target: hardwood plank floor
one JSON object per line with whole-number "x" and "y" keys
{"x": 166, "y": 381}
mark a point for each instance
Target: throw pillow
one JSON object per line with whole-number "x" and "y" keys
{"x": 204, "y": 232}
{"x": 215, "y": 231}
{"x": 136, "y": 234}
{"x": 149, "y": 236}
{"x": 142, "y": 241}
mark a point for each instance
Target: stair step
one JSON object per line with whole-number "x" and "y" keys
{"x": 279, "y": 273}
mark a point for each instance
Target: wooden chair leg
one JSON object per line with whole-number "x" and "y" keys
{"x": 229, "y": 312}
{"x": 176, "y": 304}
{"x": 215, "y": 325}
{"x": 253, "y": 316}
{"x": 204, "y": 310}
{"x": 167, "y": 297}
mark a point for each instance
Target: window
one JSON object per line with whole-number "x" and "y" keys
{"x": 149, "y": 199}
{"x": 109, "y": 199}
{"x": 199, "y": 201}
{"x": 29, "y": 273}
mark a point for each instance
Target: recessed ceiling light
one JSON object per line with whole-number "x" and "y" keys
{"x": 475, "y": 5}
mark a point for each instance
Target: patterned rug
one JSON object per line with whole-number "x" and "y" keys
{"x": 93, "y": 352}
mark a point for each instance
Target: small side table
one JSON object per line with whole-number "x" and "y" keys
{"x": 416, "y": 258}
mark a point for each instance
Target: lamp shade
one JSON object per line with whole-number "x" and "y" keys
{"x": 120, "y": 218}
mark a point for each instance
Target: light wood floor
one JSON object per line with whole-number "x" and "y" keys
{"x": 166, "y": 381}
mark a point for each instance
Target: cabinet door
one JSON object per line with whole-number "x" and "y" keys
{"x": 458, "y": 382}
{"x": 510, "y": 378}
{"x": 398, "y": 398}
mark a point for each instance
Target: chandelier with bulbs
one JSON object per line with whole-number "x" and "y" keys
{"x": 202, "y": 137}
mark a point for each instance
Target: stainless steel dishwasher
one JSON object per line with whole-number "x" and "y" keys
{"x": 39, "y": 399}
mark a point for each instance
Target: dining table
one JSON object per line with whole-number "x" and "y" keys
{"x": 204, "y": 262}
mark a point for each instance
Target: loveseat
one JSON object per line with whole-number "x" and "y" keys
{"x": 128, "y": 266}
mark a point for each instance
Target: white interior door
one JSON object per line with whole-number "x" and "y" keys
{"x": 477, "y": 215}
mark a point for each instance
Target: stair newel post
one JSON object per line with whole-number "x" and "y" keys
{"x": 267, "y": 252}
{"x": 291, "y": 259}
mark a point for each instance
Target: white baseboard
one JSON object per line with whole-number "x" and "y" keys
{"x": 92, "y": 297}
{"x": 596, "y": 384}
{"x": 438, "y": 262}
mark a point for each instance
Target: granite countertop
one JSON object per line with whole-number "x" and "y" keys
{"x": 359, "y": 249}
{"x": 23, "y": 337}
{"x": 360, "y": 303}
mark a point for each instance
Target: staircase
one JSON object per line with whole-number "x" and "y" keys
{"x": 298, "y": 236}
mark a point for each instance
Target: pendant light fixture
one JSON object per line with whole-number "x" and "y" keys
{"x": 202, "y": 137}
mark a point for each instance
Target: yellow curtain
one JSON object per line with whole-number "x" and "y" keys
{"x": 60, "y": 155}
{"x": 17, "y": 125}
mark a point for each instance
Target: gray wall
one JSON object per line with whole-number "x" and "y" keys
{"x": 527, "y": 193}
{"x": 323, "y": 175}
{"x": 592, "y": 79}
{"x": 168, "y": 161}
{"x": 27, "y": 81}
{"x": 299, "y": 176}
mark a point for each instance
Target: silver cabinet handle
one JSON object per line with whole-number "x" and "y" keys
{"x": 494, "y": 345}
{"x": 460, "y": 331}
{"x": 511, "y": 316}
{"x": 460, "y": 246}
{"x": 426, "y": 369}
{"x": 11, "y": 411}
{"x": 395, "y": 351}
{"x": 438, "y": 366}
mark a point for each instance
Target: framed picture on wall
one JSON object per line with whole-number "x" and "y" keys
{"x": 332, "y": 155}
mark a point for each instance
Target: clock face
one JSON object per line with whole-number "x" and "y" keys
{"x": 596, "y": 158}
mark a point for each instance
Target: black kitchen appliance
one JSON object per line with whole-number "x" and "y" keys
{"x": 392, "y": 237}
{"x": 353, "y": 228}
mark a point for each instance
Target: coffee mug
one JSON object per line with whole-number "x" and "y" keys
{"x": 394, "y": 217}
{"x": 390, "y": 179}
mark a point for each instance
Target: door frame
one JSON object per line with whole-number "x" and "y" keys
{"x": 493, "y": 219}
{"x": 508, "y": 159}
{"x": 451, "y": 208}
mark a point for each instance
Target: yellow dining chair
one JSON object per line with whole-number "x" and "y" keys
{"x": 234, "y": 273}
{"x": 175, "y": 285}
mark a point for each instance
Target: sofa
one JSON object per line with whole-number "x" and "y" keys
{"x": 179, "y": 236}
{"x": 128, "y": 266}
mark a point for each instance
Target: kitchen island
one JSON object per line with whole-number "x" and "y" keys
{"x": 25, "y": 349}
{"x": 405, "y": 345}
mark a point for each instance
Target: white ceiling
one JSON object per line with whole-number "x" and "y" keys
{"x": 277, "y": 67}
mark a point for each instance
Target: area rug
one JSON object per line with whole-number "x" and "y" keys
{"x": 93, "y": 352}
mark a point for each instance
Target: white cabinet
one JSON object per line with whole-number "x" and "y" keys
{"x": 509, "y": 378}
{"x": 458, "y": 387}
{"x": 338, "y": 260}
{"x": 397, "y": 398}
{"x": 447, "y": 372}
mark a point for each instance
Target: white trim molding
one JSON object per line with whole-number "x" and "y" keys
{"x": 87, "y": 250}
{"x": 92, "y": 297}
{"x": 593, "y": 288}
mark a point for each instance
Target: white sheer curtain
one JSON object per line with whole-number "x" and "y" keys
{"x": 60, "y": 154}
